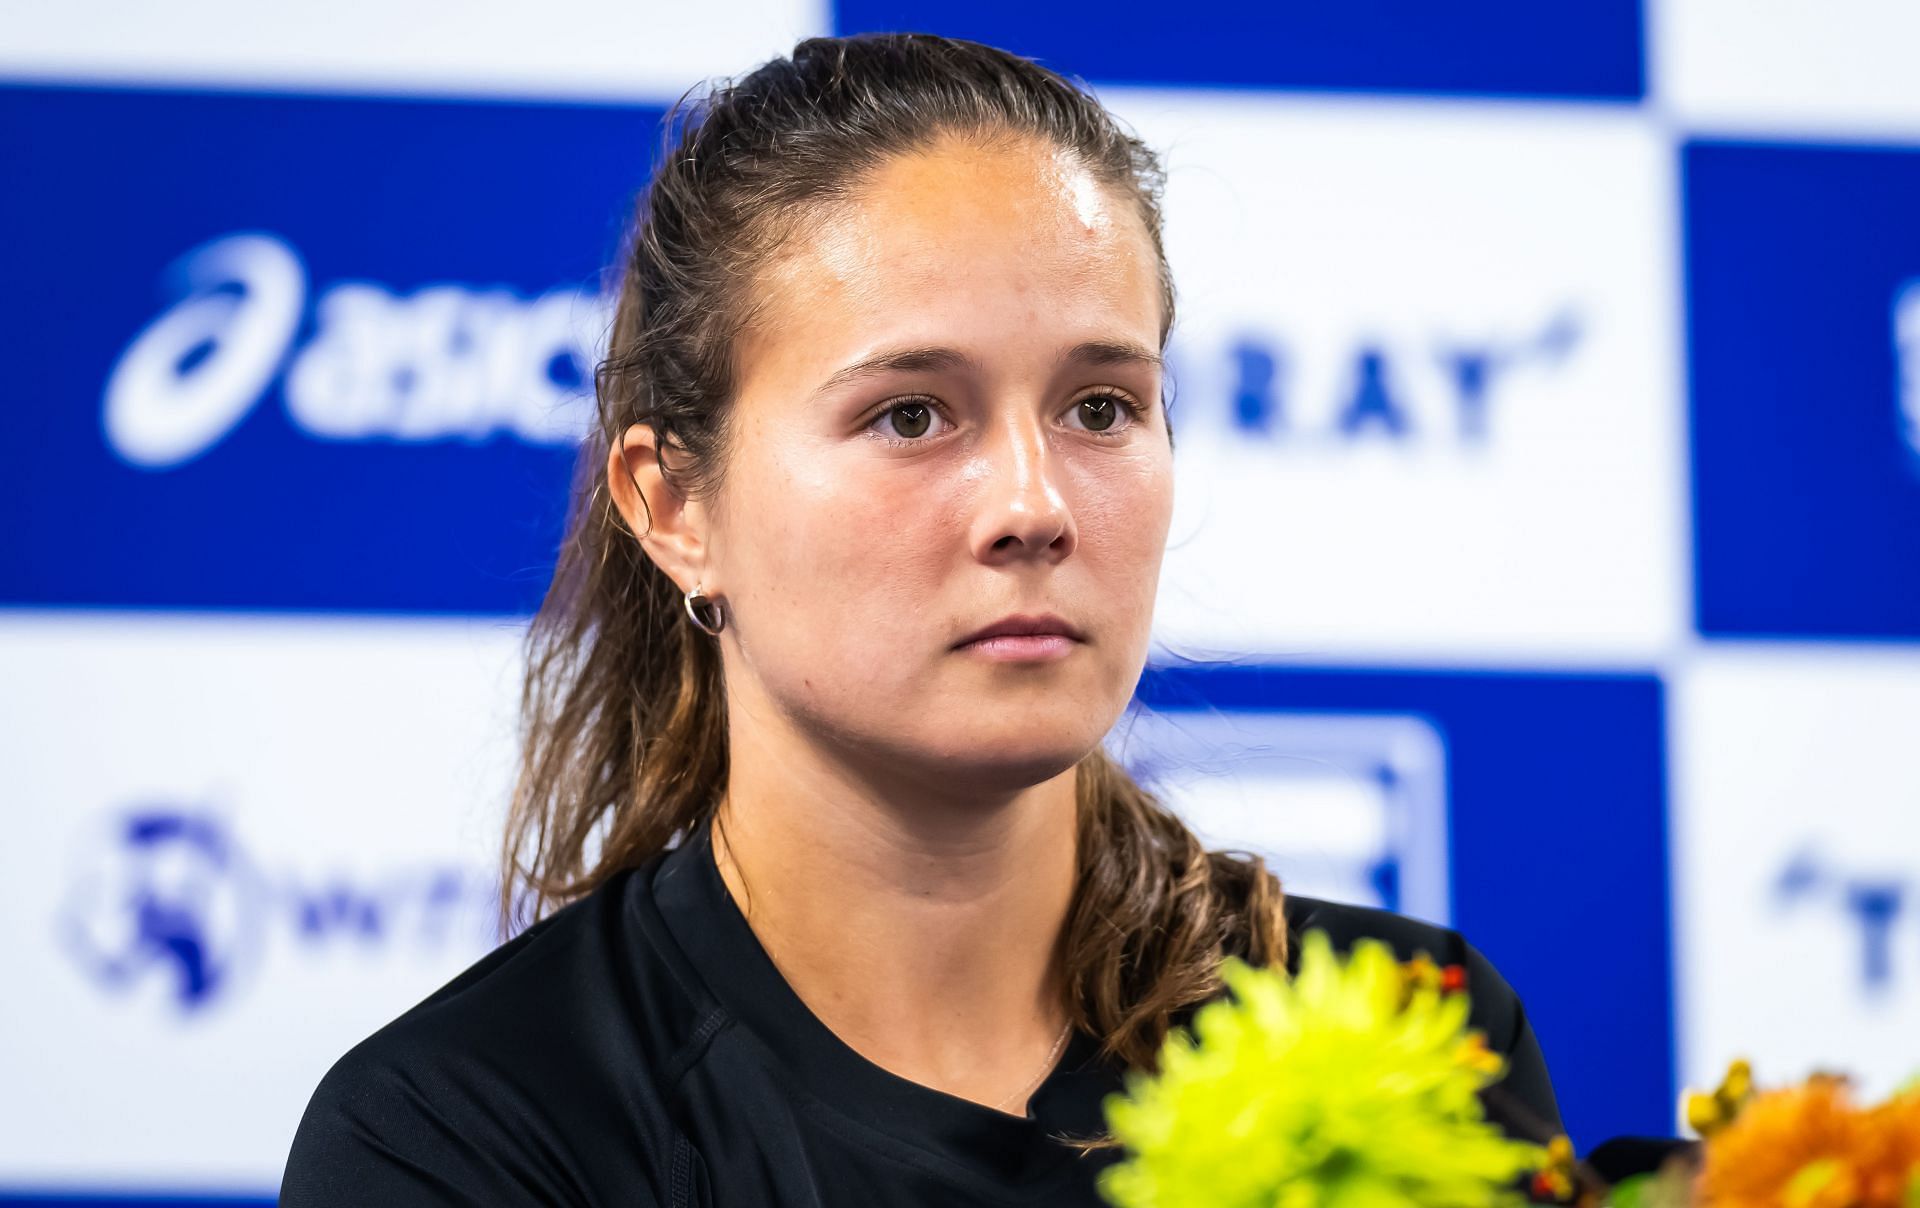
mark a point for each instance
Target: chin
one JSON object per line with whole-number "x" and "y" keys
{"x": 966, "y": 741}
{"x": 1008, "y": 759}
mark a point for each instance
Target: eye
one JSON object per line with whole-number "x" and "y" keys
{"x": 1104, "y": 412}
{"x": 908, "y": 420}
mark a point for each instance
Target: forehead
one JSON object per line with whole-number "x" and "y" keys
{"x": 999, "y": 243}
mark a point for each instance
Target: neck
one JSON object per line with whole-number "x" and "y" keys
{"x": 922, "y": 924}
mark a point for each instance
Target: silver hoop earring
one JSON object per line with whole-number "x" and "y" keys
{"x": 697, "y": 600}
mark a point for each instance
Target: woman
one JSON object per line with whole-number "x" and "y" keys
{"x": 844, "y": 904}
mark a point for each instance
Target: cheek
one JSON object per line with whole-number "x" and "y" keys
{"x": 839, "y": 556}
{"x": 1123, "y": 508}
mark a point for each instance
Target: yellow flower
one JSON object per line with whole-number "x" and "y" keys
{"x": 1344, "y": 1088}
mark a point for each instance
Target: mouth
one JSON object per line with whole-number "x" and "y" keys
{"x": 1024, "y": 638}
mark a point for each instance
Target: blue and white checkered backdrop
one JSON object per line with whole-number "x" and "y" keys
{"x": 1546, "y": 562}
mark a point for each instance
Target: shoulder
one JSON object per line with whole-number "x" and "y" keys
{"x": 1526, "y": 1094}
{"x": 491, "y": 1088}
{"x": 1346, "y": 924}
{"x": 566, "y": 987}
{"x": 1496, "y": 1005}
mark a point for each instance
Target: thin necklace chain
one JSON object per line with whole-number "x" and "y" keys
{"x": 1047, "y": 1065}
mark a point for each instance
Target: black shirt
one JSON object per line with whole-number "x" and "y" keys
{"x": 640, "y": 1048}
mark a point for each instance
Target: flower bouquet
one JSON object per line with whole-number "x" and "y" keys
{"x": 1358, "y": 1084}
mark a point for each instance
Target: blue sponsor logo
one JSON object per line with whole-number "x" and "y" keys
{"x": 1870, "y": 906}
{"x": 168, "y": 897}
{"x": 1432, "y": 391}
{"x": 1805, "y": 399}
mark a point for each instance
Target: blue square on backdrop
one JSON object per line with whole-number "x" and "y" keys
{"x": 1555, "y": 808}
{"x": 298, "y": 353}
{"x": 1586, "y": 49}
{"x": 1803, "y": 317}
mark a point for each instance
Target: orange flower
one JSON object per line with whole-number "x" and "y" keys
{"x": 1810, "y": 1147}
{"x": 1751, "y": 1162}
{"x": 1890, "y": 1159}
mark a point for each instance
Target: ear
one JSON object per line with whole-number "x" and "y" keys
{"x": 671, "y": 528}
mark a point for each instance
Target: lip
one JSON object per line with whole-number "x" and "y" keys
{"x": 1023, "y": 637}
{"x": 1022, "y": 648}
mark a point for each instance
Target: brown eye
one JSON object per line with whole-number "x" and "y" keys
{"x": 911, "y": 419}
{"x": 1098, "y": 413}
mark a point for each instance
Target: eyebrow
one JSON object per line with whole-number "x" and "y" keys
{"x": 902, "y": 360}
{"x": 938, "y": 360}
{"x": 1113, "y": 352}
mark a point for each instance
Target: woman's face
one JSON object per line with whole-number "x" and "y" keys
{"x": 948, "y": 419}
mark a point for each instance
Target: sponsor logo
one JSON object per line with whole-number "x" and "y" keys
{"x": 168, "y": 897}
{"x": 1347, "y": 807}
{"x": 1427, "y": 389}
{"x": 1872, "y": 906}
{"x": 444, "y": 362}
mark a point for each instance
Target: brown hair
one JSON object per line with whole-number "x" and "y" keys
{"x": 623, "y": 711}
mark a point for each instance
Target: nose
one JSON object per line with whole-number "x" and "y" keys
{"x": 1023, "y": 515}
